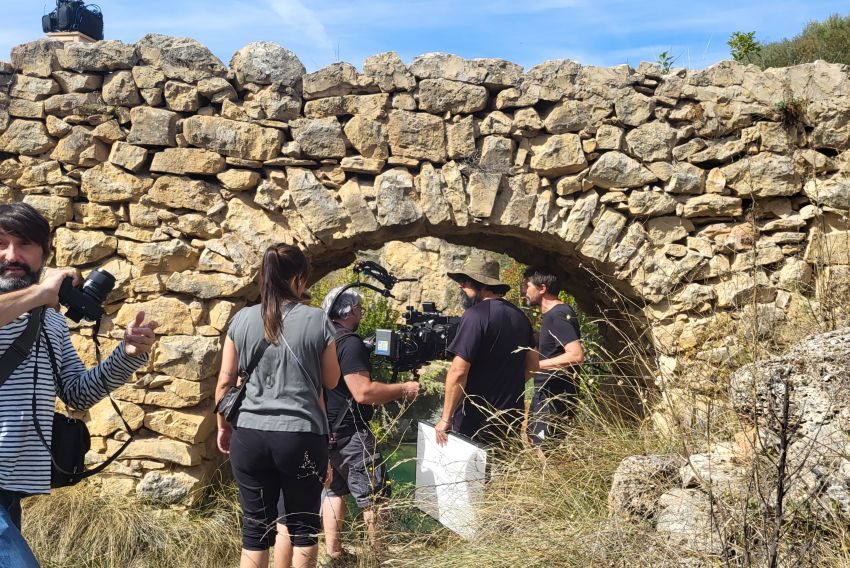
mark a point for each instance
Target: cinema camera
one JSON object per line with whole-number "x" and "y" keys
{"x": 74, "y": 16}
{"x": 423, "y": 337}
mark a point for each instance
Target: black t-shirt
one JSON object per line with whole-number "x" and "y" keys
{"x": 353, "y": 357}
{"x": 559, "y": 327}
{"x": 488, "y": 336}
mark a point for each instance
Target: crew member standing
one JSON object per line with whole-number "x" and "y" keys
{"x": 559, "y": 346}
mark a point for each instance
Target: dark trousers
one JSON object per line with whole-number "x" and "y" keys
{"x": 268, "y": 466}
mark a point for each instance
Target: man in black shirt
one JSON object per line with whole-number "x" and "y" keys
{"x": 486, "y": 380}
{"x": 357, "y": 463}
{"x": 555, "y": 388}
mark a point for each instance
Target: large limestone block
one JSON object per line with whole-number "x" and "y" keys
{"x": 172, "y": 314}
{"x": 207, "y": 286}
{"x": 487, "y": 72}
{"x": 557, "y": 155}
{"x": 496, "y": 154}
{"x": 179, "y": 58}
{"x": 45, "y": 173}
{"x": 188, "y": 357}
{"x": 609, "y": 137}
{"x": 335, "y": 80}
{"x": 78, "y": 82}
{"x": 568, "y": 116}
{"x": 417, "y": 135}
{"x": 369, "y": 137}
{"x": 20, "y": 108}
{"x": 181, "y": 97}
{"x": 388, "y": 72}
{"x": 652, "y": 142}
{"x": 128, "y": 156}
{"x": 741, "y": 289}
{"x": 74, "y": 103}
{"x": 828, "y": 248}
{"x": 183, "y": 193}
{"x": 152, "y": 258}
{"x": 319, "y": 138}
{"x": 432, "y": 198}
{"x": 57, "y": 210}
{"x": 442, "y": 95}
{"x": 712, "y": 205}
{"x": 32, "y": 88}
{"x": 26, "y": 137}
{"x": 370, "y": 106}
{"x": 316, "y": 205}
{"x": 37, "y": 58}
{"x": 153, "y": 127}
{"x": 460, "y": 138}
{"x": 239, "y": 180}
{"x": 651, "y": 204}
{"x": 80, "y": 148}
{"x": 171, "y": 487}
{"x": 606, "y": 228}
{"x": 158, "y": 449}
{"x": 265, "y": 63}
{"x": 109, "y": 55}
{"x": 633, "y": 108}
{"x": 685, "y": 178}
{"x": 516, "y": 201}
{"x": 482, "y": 188}
{"x": 102, "y": 419}
{"x": 686, "y": 519}
{"x": 763, "y": 175}
{"x": 362, "y": 218}
{"x": 233, "y": 138}
{"x": 192, "y": 426}
{"x": 255, "y": 226}
{"x": 662, "y": 230}
{"x": 106, "y": 183}
{"x": 147, "y": 77}
{"x": 119, "y": 89}
{"x": 639, "y": 482}
{"x": 187, "y": 161}
{"x": 615, "y": 169}
{"x": 75, "y": 248}
{"x": 831, "y": 192}
{"x": 395, "y": 203}
{"x": 455, "y": 193}
{"x": 580, "y": 216}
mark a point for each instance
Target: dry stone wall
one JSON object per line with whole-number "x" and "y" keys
{"x": 690, "y": 193}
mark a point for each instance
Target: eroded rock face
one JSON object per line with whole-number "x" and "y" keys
{"x": 685, "y": 192}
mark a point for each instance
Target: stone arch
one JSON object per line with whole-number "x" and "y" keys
{"x": 689, "y": 193}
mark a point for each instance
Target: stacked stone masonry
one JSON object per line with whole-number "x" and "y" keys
{"x": 689, "y": 192}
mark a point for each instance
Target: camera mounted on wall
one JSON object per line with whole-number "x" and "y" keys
{"x": 423, "y": 337}
{"x": 74, "y": 16}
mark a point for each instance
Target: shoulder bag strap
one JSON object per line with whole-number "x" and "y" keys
{"x": 19, "y": 350}
{"x": 249, "y": 370}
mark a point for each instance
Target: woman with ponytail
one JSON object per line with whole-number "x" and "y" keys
{"x": 278, "y": 442}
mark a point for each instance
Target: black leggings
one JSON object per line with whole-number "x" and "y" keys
{"x": 271, "y": 465}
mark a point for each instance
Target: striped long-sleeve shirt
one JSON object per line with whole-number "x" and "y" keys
{"x": 24, "y": 461}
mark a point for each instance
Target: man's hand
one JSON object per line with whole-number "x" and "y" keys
{"x": 443, "y": 427}
{"x": 52, "y": 281}
{"x": 139, "y": 336}
{"x": 410, "y": 390}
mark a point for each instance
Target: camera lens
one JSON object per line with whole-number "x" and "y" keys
{"x": 99, "y": 284}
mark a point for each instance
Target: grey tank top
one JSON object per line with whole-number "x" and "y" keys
{"x": 282, "y": 396}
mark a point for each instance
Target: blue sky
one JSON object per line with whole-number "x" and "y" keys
{"x": 597, "y": 32}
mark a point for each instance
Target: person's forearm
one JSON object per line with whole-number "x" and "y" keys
{"x": 455, "y": 383}
{"x": 14, "y": 304}
{"x": 561, "y": 361}
{"x": 382, "y": 393}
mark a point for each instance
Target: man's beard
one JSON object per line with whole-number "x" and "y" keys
{"x": 12, "y": 283}
{"x": 466, "y": 302}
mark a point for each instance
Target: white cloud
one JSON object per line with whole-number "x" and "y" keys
{"x": 301, "y": 22}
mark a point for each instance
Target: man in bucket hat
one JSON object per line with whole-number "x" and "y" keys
{"x": 493, "y": 357}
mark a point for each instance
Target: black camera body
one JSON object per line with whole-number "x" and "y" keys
{"x": 86, "y": 301}
{"x": 74, "y": 16}
{"x": 424, "y": 337}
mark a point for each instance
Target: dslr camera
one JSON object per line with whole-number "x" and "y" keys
{"x": 86, "y": 300}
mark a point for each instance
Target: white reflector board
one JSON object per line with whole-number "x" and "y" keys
{"x": 450, "y": 479}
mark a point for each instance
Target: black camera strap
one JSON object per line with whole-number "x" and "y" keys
{"x": 58, "y": 377}
{"x": 19, "y": 350}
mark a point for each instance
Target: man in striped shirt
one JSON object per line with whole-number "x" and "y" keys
{"x": 24, "y": 459}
